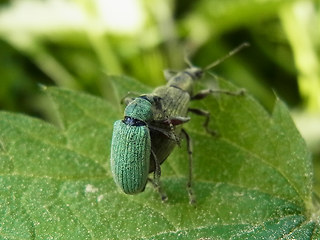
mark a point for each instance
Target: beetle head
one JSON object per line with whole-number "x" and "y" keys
{"x": 195, "y": 72}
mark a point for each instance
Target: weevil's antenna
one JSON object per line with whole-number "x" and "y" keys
{"x": 234, "y": 51}
{"x": 187, "y": 60}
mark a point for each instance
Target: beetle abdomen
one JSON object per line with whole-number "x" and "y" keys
{"x": 130, "y": 156}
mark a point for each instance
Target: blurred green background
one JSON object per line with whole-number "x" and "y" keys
{"x": 76, "y": 43}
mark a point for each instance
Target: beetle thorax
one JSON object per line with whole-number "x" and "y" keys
{"x": 140, "y": 109}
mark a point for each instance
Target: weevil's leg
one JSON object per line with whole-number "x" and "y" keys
{"x": 192, "y": 199}
{"x": 165, "y": 119}
{"x": 126, "y": 99}
{"x": 187, "y": 61}
{"x": 204, "y": 93}
{"x": 162, "y": 194}
{"x": 168, "y": 74}
{"x": 157, "y": 172}
{"x": 168, "y": 122}
{"x": 156, "y": 181}
{"x": 176, "y": 120}
{"x": 206, "y": 114}
{"x": 168, "y": 133}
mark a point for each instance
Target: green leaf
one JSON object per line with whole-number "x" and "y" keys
{"x": 252, "y": 181}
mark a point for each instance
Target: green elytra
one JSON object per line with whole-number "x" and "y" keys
{"x": 152, "y": 127}
{"x": 130, "y": 149}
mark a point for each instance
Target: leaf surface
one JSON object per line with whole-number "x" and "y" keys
{"x": 252, "y": 181}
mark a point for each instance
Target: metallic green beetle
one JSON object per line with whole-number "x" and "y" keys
{"x": 152, "y": 127}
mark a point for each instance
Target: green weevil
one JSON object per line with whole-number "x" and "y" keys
{"x": 152, "y": 127}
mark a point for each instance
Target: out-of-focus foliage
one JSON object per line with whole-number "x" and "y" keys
{"x": 74, "y": 43}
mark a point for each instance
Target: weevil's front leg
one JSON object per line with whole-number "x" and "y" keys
{"x": 204, "y": 93}
{"x": 168, "y": 74}
{"x": 156, "y": 179}
{"x": 157, "y": 172}
{"x": 162, "y": 194}
{"x": 206, "y": 114}
{"x": 126, "y": 99}
{"x": 192, "y": 199}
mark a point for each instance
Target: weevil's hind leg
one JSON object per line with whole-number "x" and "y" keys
{"x": 206, "y": 114}
{"x": 192, "y": 199}
{"x": 156, "y": 179}
{"x": 204, "y": 93}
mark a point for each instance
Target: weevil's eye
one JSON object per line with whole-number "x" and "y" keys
{"x": 195, "y": 73}
{"x": 198, "y": 74}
